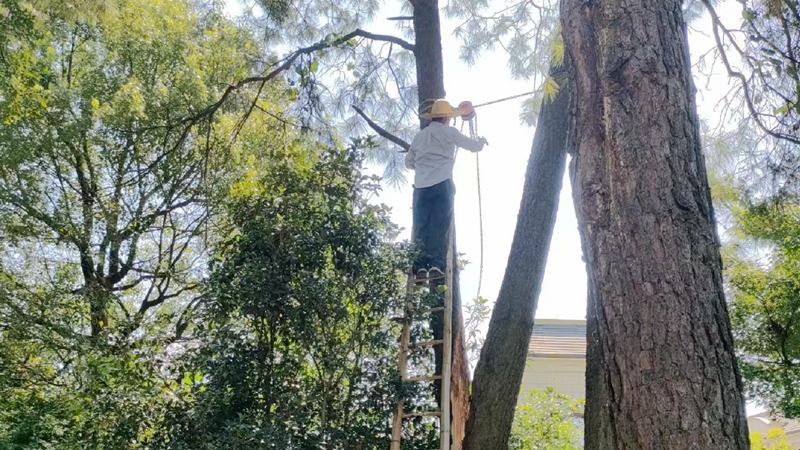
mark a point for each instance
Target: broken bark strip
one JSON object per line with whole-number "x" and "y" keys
{"x": 499, "y": 372}
{"x": 660, "y": 360}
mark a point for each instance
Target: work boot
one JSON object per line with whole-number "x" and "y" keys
{"x": 421, "y": 276}
{"x": 435, "y": 273}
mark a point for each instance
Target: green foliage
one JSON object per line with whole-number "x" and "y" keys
{"x": 765, "y": 302}
{"x": 476, "y": 314}
{"x": 547, "y": 420}
{"x": 107, "y": 187}
{"x": 96, "y": 161}
{"x": 776, "y": 440}
{"x": 294, "y": 342}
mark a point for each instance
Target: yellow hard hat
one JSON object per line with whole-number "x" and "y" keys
{"x": 441, "y": 108}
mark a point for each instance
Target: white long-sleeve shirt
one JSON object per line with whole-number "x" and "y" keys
{"x": 432, "y": 153}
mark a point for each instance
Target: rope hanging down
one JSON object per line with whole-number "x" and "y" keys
{"x": 473, "y": 133}
{"x": 471, "y": 118}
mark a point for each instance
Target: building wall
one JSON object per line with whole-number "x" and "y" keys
{"x": 566, "y": 375}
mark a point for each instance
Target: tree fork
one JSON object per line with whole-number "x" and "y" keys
{"x": 499, "y": 372}
{"x": 660, "y": 360}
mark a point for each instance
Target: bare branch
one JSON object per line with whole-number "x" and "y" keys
{"x": 733, "y": 73}
{"x": 183, "y": 321}
{"x": 162, "y": 297}
{"x": 381, "y": 131}
{"x": 383, "y": 37}
{"x": 400, "y": 18}
{"x": 289, "y": 60}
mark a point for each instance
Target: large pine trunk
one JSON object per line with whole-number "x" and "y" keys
{"x": 430, "y": 85}
{"x": 661, "y": 367}
{"x": 499, "y": 372}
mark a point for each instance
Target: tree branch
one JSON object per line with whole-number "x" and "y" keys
{"x": 378, "y": 129}
{"x": 733, "y": 73}
{"x": 383, "y": 37}
{"x": 289, "y": 60}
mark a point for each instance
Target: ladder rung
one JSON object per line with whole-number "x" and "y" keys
{"x": 423, "y": 378}
{"x": 423, "y": 414}
{"x": 428, "y": 343}
{"x": 431, "y": 310}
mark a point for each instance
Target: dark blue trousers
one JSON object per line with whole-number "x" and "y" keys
{"x": 433, "y": 213}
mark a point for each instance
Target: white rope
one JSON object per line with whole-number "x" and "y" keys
{"x": 473, "y": 132}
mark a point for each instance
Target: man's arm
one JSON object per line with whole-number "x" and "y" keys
{"x": 464, "y": 142}
{"x": 410, "y": 156}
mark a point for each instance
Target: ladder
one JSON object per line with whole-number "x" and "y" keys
{"x": 409, "y": 311}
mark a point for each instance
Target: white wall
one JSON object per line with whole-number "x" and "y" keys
{"x": 566, "y": 375}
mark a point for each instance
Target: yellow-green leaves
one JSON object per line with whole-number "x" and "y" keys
{"x": 544, "y": 420}
{"x": 557, "y": 48}
{"x": 776, "y": 439}
{"x": 550, "y": 89}
{"x": 128, "y": 100}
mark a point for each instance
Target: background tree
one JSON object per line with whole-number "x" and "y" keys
{"x": 97, "y": 164}
{"x": 108, "y": 177}
{"x": 764, "y": 308}
{"x": 546, "y": 420}
{"x": 758, "y": 209}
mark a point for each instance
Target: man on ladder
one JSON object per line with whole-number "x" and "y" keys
{"x": 432, "y": 156}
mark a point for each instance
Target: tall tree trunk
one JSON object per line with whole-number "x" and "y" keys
{"x": 99, "y": 295}
{"x": 499, "y": 372}
{"x": 428, "y": 54}
{"x": 662, "y": 373}
{"x": 430, "y": 85}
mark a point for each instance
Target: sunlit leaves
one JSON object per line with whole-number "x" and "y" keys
{"x": 546, "y": 420}
{"x": 775, "y": 439}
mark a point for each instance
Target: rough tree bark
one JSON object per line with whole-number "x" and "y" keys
{"x": 662, "y": 373}
{"x": 430, "y": 84}
{"x": 499, "y": 372}
{"x": 428, "y": 53}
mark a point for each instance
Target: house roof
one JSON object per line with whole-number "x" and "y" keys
{"x": 790, "y": 426}
{"x": 558, "y": 338}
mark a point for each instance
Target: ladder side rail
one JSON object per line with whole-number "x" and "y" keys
{"x": 402, "y": 361}
{"x": 447, "y": 351}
